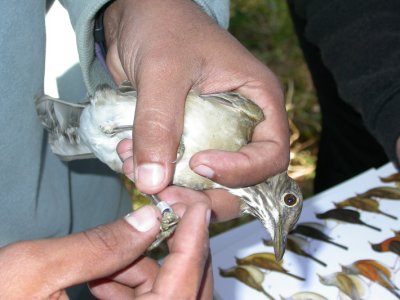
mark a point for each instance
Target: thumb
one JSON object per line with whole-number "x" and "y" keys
{"x": 101, "y": 251}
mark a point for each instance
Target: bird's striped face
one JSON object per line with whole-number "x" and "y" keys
{"x": 277, "y": 203}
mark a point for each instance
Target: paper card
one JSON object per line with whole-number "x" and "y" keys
{"x": 248, "y": 239}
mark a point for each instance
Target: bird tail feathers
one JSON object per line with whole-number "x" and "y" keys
{"x": 61, "y": 120}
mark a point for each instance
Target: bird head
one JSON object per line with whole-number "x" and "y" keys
{"x": 277, "y": 203}
{"x": 323, "y": 279}
{"x": 349, "y": 269}
{"x": 376, "y": 247}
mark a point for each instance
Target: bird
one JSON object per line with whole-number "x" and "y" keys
{"x": 266, "y": 261}
{"x": 388, "y": 245}
{"x": 365, "y": 204}
{"x": 314, "y": 230}
{"x": 305, "y": 296}
{"x": 374, "y": 271}
{"x": 345, "y": 215}
{"x": 297, "y": 244}
{"x": 350, "y": 285}
{"x": 395, "y": 177}
{"x": 396, "y": 232}
{"x": 223, "y": 121}
{"x": 383, "y": 192}
{"x": 249, "y": 275}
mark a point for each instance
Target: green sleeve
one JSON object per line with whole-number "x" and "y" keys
{"x": 82, "y": 15}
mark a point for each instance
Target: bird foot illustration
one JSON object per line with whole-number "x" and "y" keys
{"x": 169, "y": 222}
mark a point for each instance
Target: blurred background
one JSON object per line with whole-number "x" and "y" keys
{"x": 265, "y": 28}
{"x": 262, "y": 26}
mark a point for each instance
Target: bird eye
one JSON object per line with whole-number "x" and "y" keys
{"x": 290, "y": 200}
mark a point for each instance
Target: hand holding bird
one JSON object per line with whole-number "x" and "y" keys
{"x": 165, "y": 49}
{"x": 221, "y": 121}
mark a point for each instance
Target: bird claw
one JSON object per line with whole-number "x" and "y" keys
{"x": 169, "y": 222}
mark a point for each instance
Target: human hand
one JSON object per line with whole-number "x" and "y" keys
{"x": 166, "y": 48}
{"x": 42, "y": 269}
{"x": 185, "y": 274}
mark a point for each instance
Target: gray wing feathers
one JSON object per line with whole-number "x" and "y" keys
{"x": 61, "y": 120}
{"x": 240, "y": 103}
{"x": 126, "y": 87}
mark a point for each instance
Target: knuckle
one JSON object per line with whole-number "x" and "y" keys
{"x": 103, "y": 240}
{"x": 155, "y": 126}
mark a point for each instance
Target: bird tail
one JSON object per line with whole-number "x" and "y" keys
{"x": 396, "y": 294}
{"x": 387, "y": 215}
{"x": 61, "y": 121}
{"x": 371, "y": 226}
{"x": 295, "y": 276}
{"x": 316, "y": 260}
{"x": 337, "y": 244}
{"x": 269, "y": 296}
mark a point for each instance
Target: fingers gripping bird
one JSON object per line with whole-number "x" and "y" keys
{"x": 217, "y": 121}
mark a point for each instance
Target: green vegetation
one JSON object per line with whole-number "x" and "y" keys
{"x": 264, "y": 27}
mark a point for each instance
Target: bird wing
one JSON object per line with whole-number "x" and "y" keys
{"x": 299, "y": 240}
{"x": 61, "y": 121}
{"x": 237, "y": 101}
{"x": 126, "y": 87}
{"x": 249, "y": 275}
{"x": 369, "y": 267}
{"x": 315, "y": 225}
{"x": 351, "y": 285}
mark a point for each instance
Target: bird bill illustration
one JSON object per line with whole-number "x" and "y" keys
{"x": 222, "y": 121}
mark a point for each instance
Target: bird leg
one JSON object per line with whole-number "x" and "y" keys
{"x": 112, "y": 130}
{"x": 169, "y": 221}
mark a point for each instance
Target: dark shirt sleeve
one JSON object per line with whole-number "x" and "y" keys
{"x": 359, "y": 41}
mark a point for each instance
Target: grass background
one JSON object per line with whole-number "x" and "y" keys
{"x": 264, "y": 27}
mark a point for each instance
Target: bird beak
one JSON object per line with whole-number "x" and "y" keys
{"x": 280, "y": 237}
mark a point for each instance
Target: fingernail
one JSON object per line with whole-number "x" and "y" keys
{"x": 131, "y": 177}
{"x": 125, "y": 155}
{"x": 150, "y": 175}
{"x": 142, "y": 219}
{"x": 204, "y": 171}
